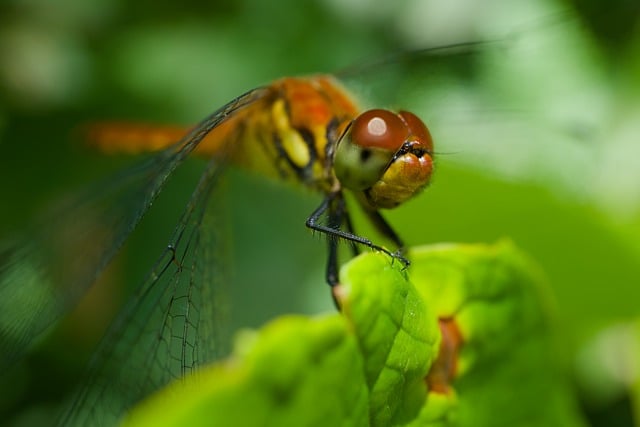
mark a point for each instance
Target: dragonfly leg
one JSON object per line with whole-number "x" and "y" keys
{"x": 355, "y": 250}
{"x": 334, "y": 205}
{"x": 335, "y": 218}
{"x": 383, "y": 227}
{"x": 386, "y": 230}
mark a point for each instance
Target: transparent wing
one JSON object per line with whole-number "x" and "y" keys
{"x": 384, "y": 80}
{"x": 43, "y": 276}
{"x": 168, "y": 328}
{"x": 426, "y": 60}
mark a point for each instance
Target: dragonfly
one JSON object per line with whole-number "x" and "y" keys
{"x": 307, "y": 130}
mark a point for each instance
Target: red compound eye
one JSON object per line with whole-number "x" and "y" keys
{"x": 379, "y": 129}
{"x": 418, "y": 130}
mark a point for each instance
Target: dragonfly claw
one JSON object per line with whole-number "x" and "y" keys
{"x": 398, "y": 255}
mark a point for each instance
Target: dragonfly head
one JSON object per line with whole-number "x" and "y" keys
{"x": 388, "y": 156}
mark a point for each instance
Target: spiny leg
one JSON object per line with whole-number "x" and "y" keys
{"x": 355, "y": 250}
{"x": 334, "y": 221}
{"x": 335, "y": 217}
{"x": 386, "y": 230}
{"x": 335, "y": 206}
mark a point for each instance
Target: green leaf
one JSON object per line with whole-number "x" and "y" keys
{"x": 508, "y": 371}
{"x": 470, "y": 345}
{"x": 396, "y": 335}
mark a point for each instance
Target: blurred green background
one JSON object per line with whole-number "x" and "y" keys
{"x": 537, "y": 140}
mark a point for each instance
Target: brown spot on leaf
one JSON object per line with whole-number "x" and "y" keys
{"x": 444, "y": 369}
